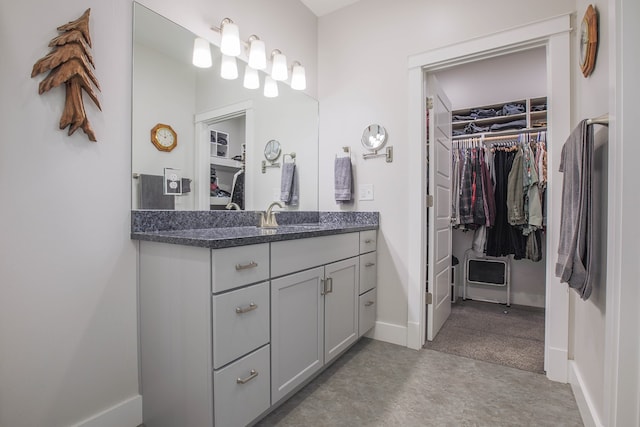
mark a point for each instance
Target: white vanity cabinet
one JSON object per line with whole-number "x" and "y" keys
{"x": 225, "y": 334}
{"x": 314, "y": 313}
{"x": 368, "y": 282}
{"x": 204, "y": 334}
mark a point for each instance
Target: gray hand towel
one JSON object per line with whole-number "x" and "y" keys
{"x": 342, "y": 172}
{"x": 286, "y": 182}
{"x": 152, "y": 195}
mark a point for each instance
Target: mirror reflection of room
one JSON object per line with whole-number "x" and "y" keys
{"x": 200, "y": 105}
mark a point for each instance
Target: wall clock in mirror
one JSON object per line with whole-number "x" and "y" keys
{"x": 163, "y": 137}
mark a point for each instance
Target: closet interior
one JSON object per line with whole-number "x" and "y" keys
{"x": 498, "y": 105}
{"x": 498, "y": 171}
{"x": 227, "y": 162}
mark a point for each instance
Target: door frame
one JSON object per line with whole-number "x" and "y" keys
{"x": 202, "y": 121}
{"x": 554, "y": 35}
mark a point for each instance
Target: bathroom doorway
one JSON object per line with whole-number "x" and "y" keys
{"x": 553, "y": 36}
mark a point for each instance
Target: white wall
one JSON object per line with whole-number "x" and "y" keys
{"x": 164, "y": 92}
{"x": 587, "y": 318}
{"x": 68, "y": 341}
{"x": 622, "y": 358}
{"x": 363, "y": 80}
{"x": 505, "y": 78}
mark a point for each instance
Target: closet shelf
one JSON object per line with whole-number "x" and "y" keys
{"x": 501, "y": 133}
{"x": 229, "y": 163}
{"x": 535, "y": 115}
{"x": 219, "y": 201}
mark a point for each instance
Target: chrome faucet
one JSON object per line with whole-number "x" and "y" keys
{"x": 233, "y": 205}
{"x": 268, "y": 218}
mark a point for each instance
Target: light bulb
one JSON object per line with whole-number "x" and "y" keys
{"x": 298, "y": 79}
{"x": 251, "y": 78}
{"x": 279, "y": 70}
{"x": 230, "y": 39}
{"x": 257, "y": 55}
{"x": 201, "y": 53}
{"x": 270, "y": 87}
{"x": 229, "y": 68}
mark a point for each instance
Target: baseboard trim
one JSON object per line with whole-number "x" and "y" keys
{"x": 586, "y": 407}
{"x": 388, "y": 332}
{"x": 127, "y": 413}
{"x": 556, "y": 364}
{"x": 414, "y": 340}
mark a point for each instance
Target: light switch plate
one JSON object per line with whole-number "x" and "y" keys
{"x": 365, "y": 192}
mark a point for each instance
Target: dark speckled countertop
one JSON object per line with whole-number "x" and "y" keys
{"x": 218, "y": 229}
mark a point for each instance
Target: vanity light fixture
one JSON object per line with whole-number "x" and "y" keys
{"x": 229, "y": 68}
{"x": 279, "y": 71}
{"x": 257, "y": 53}
{"x": 251, "y": 78}
{"x": 201, "y": 53}
{"x": 298, "y": 79}
{"x": 230, "y": 38}
{"x": 270, "y": 87}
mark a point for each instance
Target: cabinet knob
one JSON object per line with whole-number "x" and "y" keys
{"x": 368, "y": 241}
{"x": 252, "y": 374}
{"x": 370, "y": 264}
{"x": 252, "y": 306}
{"x": 369, "y": 303}
{"x": 252, "y": 264}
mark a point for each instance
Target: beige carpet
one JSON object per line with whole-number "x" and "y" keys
{"x": 510, "y": 336}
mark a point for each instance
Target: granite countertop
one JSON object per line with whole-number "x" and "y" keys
{"x": 223, "y": 230}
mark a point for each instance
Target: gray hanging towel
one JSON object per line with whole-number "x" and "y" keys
{"x": 574, "y": 248}
{"x": 152, "y": 193}
{"x": 343, "y": 181}
{"x": 286, "y": 181}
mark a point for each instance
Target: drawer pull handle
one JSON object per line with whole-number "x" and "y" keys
{"x": 253, "y": 373}
{"x": 240, "y": 267}
{"x": 369, "y": 303}
{"x": 370, "y": 264}
{"x": 252, "y": 306}
{"x": 368, "y": 241}
{"x": 325, "y": 291}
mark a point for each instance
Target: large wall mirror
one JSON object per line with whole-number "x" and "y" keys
{"x": 221, "y": 127}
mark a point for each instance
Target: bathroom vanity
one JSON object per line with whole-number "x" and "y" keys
{"x": 232, "y": 326}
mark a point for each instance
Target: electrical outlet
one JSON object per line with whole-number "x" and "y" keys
{"x": 365, "y": 192}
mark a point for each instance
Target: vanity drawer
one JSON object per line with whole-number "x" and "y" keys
{"x": 242, "y": 389}
{"x": 237, "y": 266}
{"x": 368, "y": 272}
{"x": 367, "y": 241}
{"x": 240, "y": 322}
{"x": 367, "y": 312}
{"x": 296, "y": 255}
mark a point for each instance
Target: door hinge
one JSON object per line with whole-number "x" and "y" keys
{"x": 429, "y": 298}
{"x": 430, "y": 103}
{"x": 429, "y": 200}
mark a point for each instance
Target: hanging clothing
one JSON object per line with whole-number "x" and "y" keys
{"x": 496, "y": 192}
{"x": 237, "y": 189}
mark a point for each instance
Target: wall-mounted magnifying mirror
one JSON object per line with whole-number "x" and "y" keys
{"x": 272, "y": 150}
{"x": 374, "y": 137}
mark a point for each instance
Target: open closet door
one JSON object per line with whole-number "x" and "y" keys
{"x": 439, "y": 208}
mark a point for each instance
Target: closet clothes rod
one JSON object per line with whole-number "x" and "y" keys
{"x": 600, "y": 120}
{"x": 511, "y": 132}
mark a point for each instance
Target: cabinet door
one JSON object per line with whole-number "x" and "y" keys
{"x": 340, "y": 306}
{"x": 297, "y": 320}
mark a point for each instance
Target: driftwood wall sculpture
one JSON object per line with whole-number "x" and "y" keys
{"x": 70, "y": 62}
